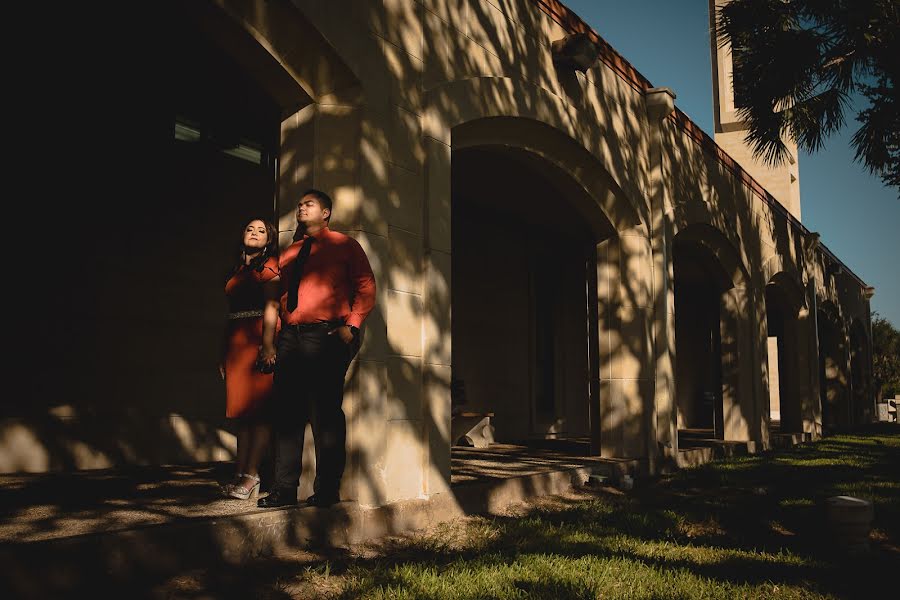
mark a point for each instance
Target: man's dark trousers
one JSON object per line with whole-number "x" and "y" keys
{"x": 309, "y": 387}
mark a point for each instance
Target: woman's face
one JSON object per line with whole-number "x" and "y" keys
{"x": 255, "y": 236}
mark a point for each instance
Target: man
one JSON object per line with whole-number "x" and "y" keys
{"x": 328, "y": 289}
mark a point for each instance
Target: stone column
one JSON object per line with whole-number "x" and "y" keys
{"x": 868, "y": 293}
{"x": 803, "y": 368}
{"x": 437, "y": 315}
{"x": 371, "y": 161}
{"x": 664, "y": 441}
{"x": 393, "y": 434}
{"x": 627, "y": 374}
{"x": 845, "y": 377}
{"x": 739, "y": 404}
{"x": 812, "y": 412}
{"x": 320, "y": 147}
{"x": 757, "y": 382}
{"x": 814, "y": 416}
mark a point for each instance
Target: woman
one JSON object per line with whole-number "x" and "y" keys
{"x": 253, "y": 291}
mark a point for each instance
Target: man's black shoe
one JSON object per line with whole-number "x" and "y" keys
{"x": 277, "y": 498}
{"x": 322, "y": 501}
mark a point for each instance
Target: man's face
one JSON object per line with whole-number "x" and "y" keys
{"x": 310, "y": 212}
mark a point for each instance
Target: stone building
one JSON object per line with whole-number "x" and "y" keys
{"x": 549, "y": 234}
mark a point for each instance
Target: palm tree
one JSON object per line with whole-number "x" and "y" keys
{"x": 798, "y": 62}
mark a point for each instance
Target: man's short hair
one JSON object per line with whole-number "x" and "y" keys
{"x": 323, "y": 199}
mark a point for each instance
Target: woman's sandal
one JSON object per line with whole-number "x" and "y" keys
{"x": 225, "y": 488}
{"x": 241, "y": 491}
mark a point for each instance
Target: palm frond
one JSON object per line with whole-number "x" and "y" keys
{"x": 810, "y": 121}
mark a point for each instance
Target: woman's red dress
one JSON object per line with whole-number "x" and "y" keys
{"x": 246, "y": 389}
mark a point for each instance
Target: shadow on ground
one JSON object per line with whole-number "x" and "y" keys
{"x": 751, "y": 527}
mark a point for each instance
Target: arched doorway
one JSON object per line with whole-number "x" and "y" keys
{"x": 860, "y": 374}
{"x": 520, "y": 313}
{"x": 709, "y": 307}
{"x": 524, "y": 294}
{"x": 833, "y": 376}
{"x": 784, "y": 301}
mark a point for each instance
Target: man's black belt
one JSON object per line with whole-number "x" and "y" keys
{"x": 316, "y": 325}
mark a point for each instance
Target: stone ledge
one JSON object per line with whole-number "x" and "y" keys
{"x": 47, "y": 568}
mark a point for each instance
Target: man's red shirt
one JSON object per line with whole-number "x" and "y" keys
{"x": 337, "y": 281}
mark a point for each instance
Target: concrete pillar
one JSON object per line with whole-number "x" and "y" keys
{"x": 624, "y": 276}
{"x": 757, "y": 382}
{"x": 806, "y": 387}
{"x": 869, "y": 382}
{"x": 437, "y": 315}
{"x": 812, "y": 411}
{"x": 394, "y": 186}
{"x": 320, "y": 147}
{"x": 392, "y": 402}
{"x": 661, "y": 103}
{"x": 845, "y": 377}
{"x": 664, "y": 340}
{"x": 739, "y": 409}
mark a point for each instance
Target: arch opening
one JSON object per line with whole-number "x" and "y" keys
{"x": 860, "y": 374}
{"x": 833, "y": 376}
{"x": 523, "y": 267}
{"x": 709, "y": 304}
{"x": 784, "y": 353}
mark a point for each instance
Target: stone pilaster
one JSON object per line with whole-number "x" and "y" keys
{"x": 624, "y": 277}
{"x": 664, "y": 441}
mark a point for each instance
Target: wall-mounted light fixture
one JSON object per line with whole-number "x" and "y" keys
{"x": 576, "y": 51}
{"x": 811, "y": 242}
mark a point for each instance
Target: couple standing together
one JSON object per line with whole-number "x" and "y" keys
{"x": 320, "y": 289}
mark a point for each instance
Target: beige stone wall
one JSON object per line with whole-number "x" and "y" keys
{"x": 380, "y": 100}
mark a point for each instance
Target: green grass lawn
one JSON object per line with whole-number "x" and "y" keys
{"x": 751, "y": 527}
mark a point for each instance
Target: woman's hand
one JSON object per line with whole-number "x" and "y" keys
{"x": 267, "y": 354}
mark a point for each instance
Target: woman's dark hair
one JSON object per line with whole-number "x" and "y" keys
{"x": 270, "y": 250}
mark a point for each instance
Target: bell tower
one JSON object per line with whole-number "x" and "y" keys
{"x": 782, "y": 181}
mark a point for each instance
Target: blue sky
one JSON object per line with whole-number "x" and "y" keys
{"x": 858, "y": 217}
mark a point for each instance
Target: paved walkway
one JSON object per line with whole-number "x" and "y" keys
{"x": 58, "y": 505}
{"x": 65, "y": 531}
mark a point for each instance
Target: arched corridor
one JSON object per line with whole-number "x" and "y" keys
{"x": 710, "y": 337}
{"x": 520, "y": 313}
{"x": 698, "y": 372}
{"x": 786, "y": 349}
{"x": 860, "y": 374}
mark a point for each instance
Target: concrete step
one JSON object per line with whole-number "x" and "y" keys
{"x": 193, "y": 528}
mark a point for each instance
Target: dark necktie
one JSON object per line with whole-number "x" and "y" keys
{"x": 297, "y": 272}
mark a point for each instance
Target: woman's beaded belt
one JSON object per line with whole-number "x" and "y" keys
{"x": 245, "y": 314}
